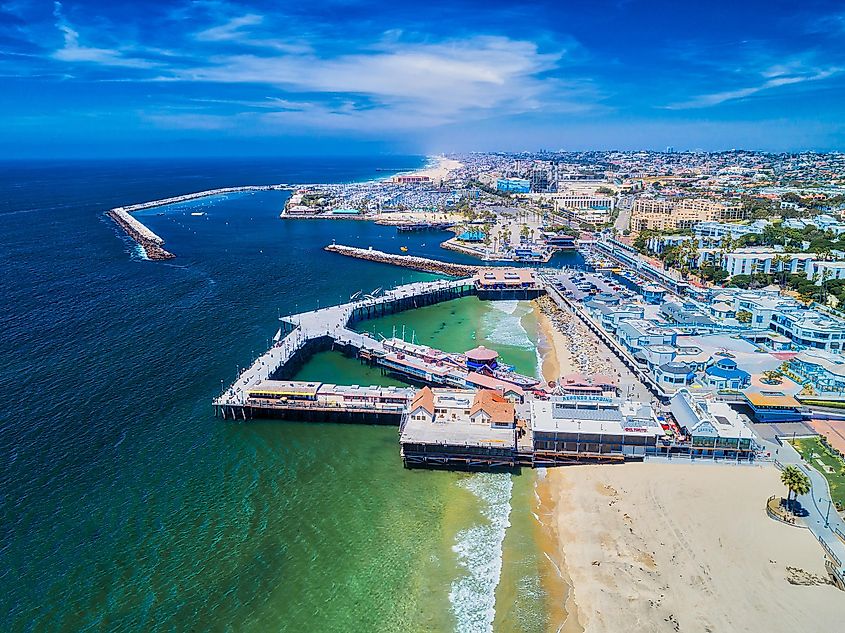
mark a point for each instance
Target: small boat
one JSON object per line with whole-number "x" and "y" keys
{"x": 198, "y": 213}
{"x": 404, "y": 249}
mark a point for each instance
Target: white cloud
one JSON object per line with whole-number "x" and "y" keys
{"x": 73, "y": 51}
{"x": 434, "y": 82}
{"x": 231, "y": 30}
{"x": 783, "y": 74}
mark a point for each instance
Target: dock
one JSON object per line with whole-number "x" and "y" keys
{"x": 300, "y": 335}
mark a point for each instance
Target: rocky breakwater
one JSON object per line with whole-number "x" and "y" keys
{"x": 152, "y": 243}
{"x": 146, "y": 239}
{"x": 423, "y": 264}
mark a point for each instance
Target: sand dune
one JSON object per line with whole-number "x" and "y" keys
{"x": 685, "y": 547}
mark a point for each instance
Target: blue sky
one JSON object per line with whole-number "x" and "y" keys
{"x": 341, "y": 76}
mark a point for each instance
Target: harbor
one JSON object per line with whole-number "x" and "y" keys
{"x": 152, "y": 244}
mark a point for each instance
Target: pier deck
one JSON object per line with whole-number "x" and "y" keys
{"x": 332, "y": 325}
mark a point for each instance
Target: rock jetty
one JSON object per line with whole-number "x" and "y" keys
{"x": 423, "y": 264}
{"x": 146, "y": 239}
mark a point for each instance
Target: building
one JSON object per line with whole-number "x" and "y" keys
{"x": 459, "y": 427}
{"x": 594, "y": 385}
{"x": 714, "y": 232}
{"x": 513, "y": 185}
{"x": 674, "y": 375}
{"x": 411, "y": 179}
{"x": 584, "y": 208}
{"x": 500, "y": 278}
{"x": 481, "y": 358}
{"x": 668, "y": 215}
{"x": 724, "y": 374}
{"x": 774, "y": 406}
{"x": 823, "y": 370}
{"x": 635, "y": 334}
{"x": 714, "y": 428}
{"x": 825, "y": 271}
{"x": 748, "y": 261}
{"x": 565, "y": 428}
{"x": 810, "y": 328}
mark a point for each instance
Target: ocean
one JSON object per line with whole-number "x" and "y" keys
{"x": 127, "y": 506}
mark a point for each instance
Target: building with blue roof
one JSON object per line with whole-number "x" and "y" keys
{"x": 725, "y": 374}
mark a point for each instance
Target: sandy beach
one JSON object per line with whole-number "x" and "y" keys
{"x": 683, "y": 547}
{"x": 668, "y": 547}
{"x": 440, "y": 169}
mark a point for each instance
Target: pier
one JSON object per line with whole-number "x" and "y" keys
{"x": 329, "y": 328}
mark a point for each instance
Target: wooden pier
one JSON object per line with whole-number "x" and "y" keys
{"x": 327, "y": 328}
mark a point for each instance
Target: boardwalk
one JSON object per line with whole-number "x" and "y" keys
{"x": 333, "y": 323}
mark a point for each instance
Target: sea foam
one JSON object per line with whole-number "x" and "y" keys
{"x": 479, "y": 551}
{"x": 503, "y": 325}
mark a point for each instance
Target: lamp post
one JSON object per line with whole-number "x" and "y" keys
{"x": 827, "y": 514}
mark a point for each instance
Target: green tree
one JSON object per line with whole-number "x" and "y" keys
{"x": 743, "y": 316}
{"x": 796, "y": 482}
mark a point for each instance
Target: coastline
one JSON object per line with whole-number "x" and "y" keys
{"x": 645, "y": 542}
{"x": 437, "y": 168}
{"x": 562, "y": 610}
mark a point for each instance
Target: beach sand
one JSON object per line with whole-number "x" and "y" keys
{"x": 440, "y": 170}
{"x": 683, "y": 547}
{"x": 554, "y": 351}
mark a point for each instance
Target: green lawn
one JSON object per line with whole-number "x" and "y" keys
{"x": 823, "y": 403}
{"x": 813, "y": 452}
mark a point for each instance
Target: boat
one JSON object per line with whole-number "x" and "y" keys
{"x": 404, "y": 249}
{"x": 198, "y": 213}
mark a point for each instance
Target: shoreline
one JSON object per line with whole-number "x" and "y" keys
{"x": 645, "y": 542}
{"x": 562, "y": 609}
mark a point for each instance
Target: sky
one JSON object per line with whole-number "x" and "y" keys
{"x": 214, "y": 77}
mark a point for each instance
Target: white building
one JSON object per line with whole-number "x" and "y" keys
{"x": 825, "y": 271}
{"x": 762, "y": 260}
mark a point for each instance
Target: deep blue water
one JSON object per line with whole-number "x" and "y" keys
{"x": 125, "y": 504}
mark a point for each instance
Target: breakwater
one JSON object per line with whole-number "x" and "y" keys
{"x": 152, "y": 244}
{"x": 423, "y": 264}
{"x": 196, "y": 195}
{"x": 146, "y": 239}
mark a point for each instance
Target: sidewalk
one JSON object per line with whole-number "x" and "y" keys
{"x": 816, "y": 504}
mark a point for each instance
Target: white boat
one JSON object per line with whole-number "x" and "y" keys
{"x": 198, "y": 213}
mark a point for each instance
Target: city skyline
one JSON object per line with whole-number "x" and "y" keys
{"x": 87, "y": 78}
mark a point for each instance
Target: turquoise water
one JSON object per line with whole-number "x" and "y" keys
{"x": 125, "y": 504}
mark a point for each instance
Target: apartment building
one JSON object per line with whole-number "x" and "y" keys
{"x": 669, "y": 215}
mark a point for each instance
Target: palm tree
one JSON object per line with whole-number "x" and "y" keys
{"x": 773, "y": 376}
{"x": 796, "y": 482}
{"x": 779, "y": 263}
